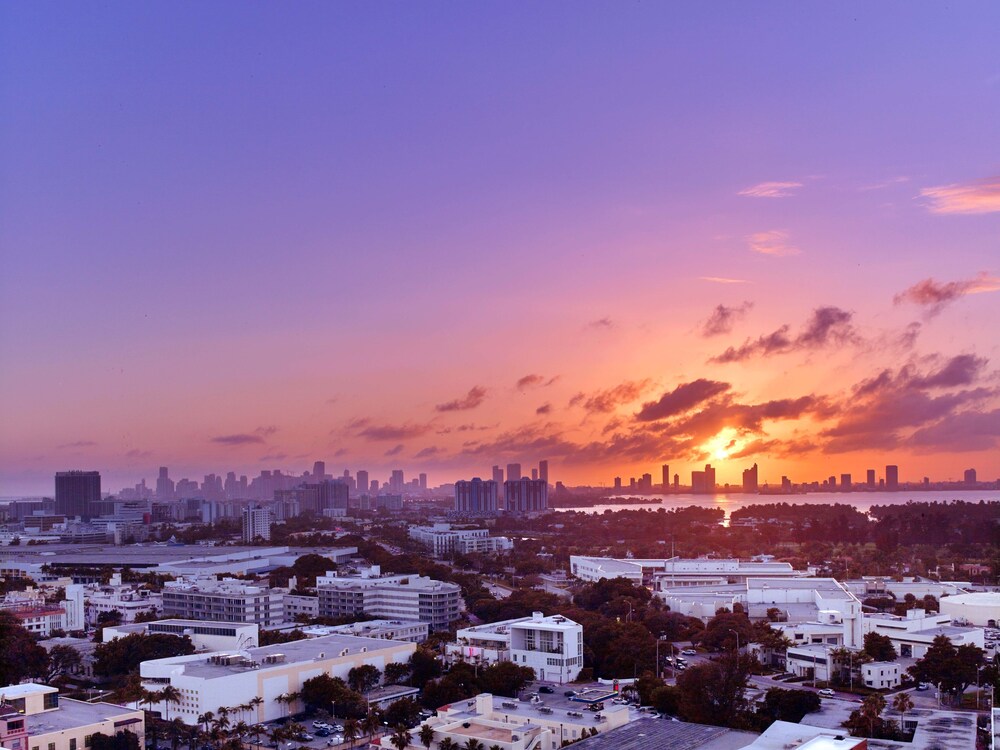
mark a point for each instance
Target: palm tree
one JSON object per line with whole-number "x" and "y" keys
{"x": 448, "y": 744}
{"x": 400, "y": 738}
{"x": 351, "y": 730}
{"x": 205, "y": 719}
{"x": 473, "y": 744}
{"x": 871, "y": 710}
{"x": 169, "y": 695}
{"x": 370, "y": 725}
{"x": 254, "y": 705}
{"x": 497, "y": 747}
{"x": 176, "y": 729}
{"x": 426, "y": 736}
{"x": 902, "y": 703}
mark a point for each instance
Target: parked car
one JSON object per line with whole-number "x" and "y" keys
{"x": 569, "y": 693}
{"x": 545, "y": 689}
{"x": 921, "y": 686}
{"x": 689, "y": 652}
{"x": 323, "y": 732}
{"x": 826, "y": 693}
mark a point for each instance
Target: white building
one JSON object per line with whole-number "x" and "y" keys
{"x": 552, "y": 646}
{"x": 881, "y": 674}
{"x": 207, "y": 681}
{"x": 257, "y": 524}
{"x": 228, "y": 600}
{"x": 393, "y": 597}
{"x": 36, "y": 615}
{"x": 442, "y": 539}
{"x": 413, "y": 631}
{"x": 128, "y": 599}
{"x": 205, "y": 636}
{"x": 513, "y": 725}
{"x": 982, "y": 609}
{"x": 913, "y": 634}
{"x": 35, "y": 717}
{"x": 298, "y": 606}
{"x": 672, "y": 572}
{"x": 813, "y": 661}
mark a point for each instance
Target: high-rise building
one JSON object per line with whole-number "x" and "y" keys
{"x": 845, "y": 482}
{"x": 870, "y": 478}
{"x": 892, "y": 478}
{"x": 476, "y": 496}
{"x": 543, "y": 471}
{"x": 526, "y": 495}
{"x": 750, "y": 482}
{"x": 423, "y": 481}
{"x": 373, "y": 487}
{"x": 164, "y": 485}
{"x": 665, "y": 473}
{"x": 618, "y": 483}
{"x": 319, "y": 471}
{"x": 970, "y": 476}
{"x": 646, "y": 483}
{"x": 534, "y": 473}
{"x": 362, "y": 479}
{"x": 332, "y": 493}
{"x": 513, "y": 472}
{"x": 498, "y": 475}
{"x": 396, "y": 481}
{"x": 76, "y": 492}
{"x": 256, "y": 523}
{"x": 703, "y": 482}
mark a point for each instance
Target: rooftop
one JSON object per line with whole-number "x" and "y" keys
{"x": 72, "y": 714}
{"x": 657, "y": 734}
{"x": 28, "y": 688}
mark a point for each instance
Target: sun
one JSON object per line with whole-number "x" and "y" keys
{"x": 723, "y": 445}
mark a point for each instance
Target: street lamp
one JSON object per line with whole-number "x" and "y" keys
{"x": 661, "y": 637}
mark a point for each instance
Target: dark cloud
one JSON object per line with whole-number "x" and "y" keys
{"x": 966, "y": 431}
{"x": 827, "y": 326}
{"x": 341, "y": 452}
{"x": 529, "y": 381}
{"x": 961, "y": 370}
{"x": 602, "y": 323}
{"x": 681, "y": 399}
{"x": 78, "y": 444}
{"x": 472, "y": 399}
{"x": 544, "y": 409}
{"x": 607, "y": 400}
{"x": 273, "y": 457}
{"x": 395, "y": 451}
{"x": 724, "y": 318}
{"x": 266, "y": 431}
{"x": 431, "y": 450}
{"x": 377, "y": 432}
{"x": 239, "y": 439}
{"x": 744, "y": 418}
{"x": 934, "y": 296}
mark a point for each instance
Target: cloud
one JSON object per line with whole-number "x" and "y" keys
{"x": 771, "y": 190}
{"x": 395, "y": 451}
{"x": 273, "y": 457}
{"x": 723, "y": 280}
{"x": 534, "y": 380}
{"x": 136, "y": 453}
{"x": 966, "y": 431}
{"x": 774, "y": 242}
{"x": 981, "y": 197}
{"x": 78, "y": 444}
{"x": 960, "y": 370}
{"x": 601, "y": 323}
{"x": 472, "y": 399}
{"x": 724, "y": 318}
{"x": 266, "y": 431}
{"x": 681, "y": 399}
{"x": 935, "y": 296}
{"x": 341, "y": 452}
{"x": 607, "y": 400}
{"x": 238, "y": 439}
{"x": 827, "y": 326}
{"x": 544, "y": 409}
{"x": 376, "y": 432}
{"x": 431, "y": 450}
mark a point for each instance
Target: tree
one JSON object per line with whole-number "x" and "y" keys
{"x": 786, "y": 705}
{"x": 122, "y": 656}
{"x": 720, "y": 633}
{"x": 424, "y": 667}
{"x": 20, "y": 657}
{"x": 363, "y": 678}
{"x": 404, "y": 712}
{"x": 902, "y": 702}
{"x": 505, "y": 678}
{"x": 714, "y": 692}
{"x": 951, "y": 669}
{"x": 371, "y": 724}
{"x": 396, "y": 672}
{"x": 448, "y": 744}
{"x": 63, "y": 660}
{"x": 425, "y": 735}
{"x": 169, "y": 694}
{"x": 665, "y": 699}
{"x": 867, "y": 721}
{"x": 400, "y": 738}
{"x": 879, "y": 647}
{"x": 120, "y": 741}
{"x": 473, "y": 744}
{"x": 351, "y": 731}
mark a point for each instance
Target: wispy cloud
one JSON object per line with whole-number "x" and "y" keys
{"x": 535, "y": 380}
{"x": 723, "y": 280}
{"x": 266, "y": 431}
{"x": 884, "y": 184}
{"x": 601, "y": 323}
{"x": 607, "y": 400}
{"x": 77, "y": 444}
{"x": 774, "y": 242}
{"x": 771, "y": 190}
{"x": 377, "y": 432}
{"x": 472, "y": 399}
{"x": 430, "y": 450}
{"x": 981, "y": 197}
{"x": 544, "y": 409}
{"x": 238, "y": 439}
{"x": 681, "y": 399}
{"x": 136, "y": 453}
{"x": 723, "y": 319}
{"x": 394, "y": 451}
{"x": 934, "y": 296}
{"x": 826, "y": 326}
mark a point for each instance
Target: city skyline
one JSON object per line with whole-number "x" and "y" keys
{"x": 446, "y": 238}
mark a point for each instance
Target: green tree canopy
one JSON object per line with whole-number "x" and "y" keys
{"x": 20, "y": 656}
{"x": 122, "y": 656}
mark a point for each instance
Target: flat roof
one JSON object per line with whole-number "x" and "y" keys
{"x": 72, "y": 713}
{"x": 479, "y": 730}
{"x": 657, "y": 734}
{"x": 28, "y": 688}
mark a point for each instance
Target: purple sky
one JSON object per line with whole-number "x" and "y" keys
{"x": 295, "y": 223}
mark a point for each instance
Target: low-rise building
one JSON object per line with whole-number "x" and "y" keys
{"x": 413, "y": 631}
{"x": 813, "y": 661}
{"x": 205, "y": 636}
{"x": 395, "y": 597}
{"x": 677, "y": 570}
{"x": 35, "y": 717}
{"x": 913, "y": 634}
{"x": 271, "y": 673}
{"x": 298, "y": 607}
{"x": 514, "y": 725}
{"x": 880, "y": 675}
{"x": 128, "y": 599}
{"x": 442, "y": 539}
{"x": 228, "y": 600}
{"x": 552, "y": 646}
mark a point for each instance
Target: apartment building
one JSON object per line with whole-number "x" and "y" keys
{"x": 393, "y": 597}
{"x": 228, "y": 600}
{"x": 442, "y": 539}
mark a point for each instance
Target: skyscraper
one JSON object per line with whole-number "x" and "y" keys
{"x": 423, "y": 481}
{"x": 526, "y": 495}
{"x": 396, "y": 481}
{"x": 665, "y": 473}
{"x": 164, "y": 485}
{"x": 476, "y": 496}
{"x": 870, "y": 477}
{"x": 319, "y": 471}
{"x": 543, "y": 471}
{"x": 892, "y": 478}
{"x": 845, "y": 482}
{"x": 970, "y": 476}
{"x": 750, "y": 479}
{"x": 256, "y": 523}
{"x": 513, "y": 472}
{"x": 498, "y": 475}
{"x": 76, "y": 492}
{"x": 534, "y": 473}
{"x": 362, "y": 480}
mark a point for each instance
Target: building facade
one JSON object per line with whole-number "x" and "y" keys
{"x": 396, "y": 597}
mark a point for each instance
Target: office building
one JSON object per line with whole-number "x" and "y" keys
{"x": 526, "y": 495}
{"x": 396, "y": 597}
{"x": 164, "y": 485}
{"x": 270, "y": 673}
{"x": 422, "y": 481}
{"x": 543, "y": 471}
{"x": 750, "y": 479}
{"x": 845, "y": 482}
{"x": 703, "y": 482}
{"x": 476, "y": 496}
{"x": 534, "y": 473}
{"x": 870, "y": 478}
{"x": 914, "y": 633}
{"x": 892, "y": 478}
{"x": 618, "y": 484}
{"x": 36, "y": 717}
{"x": 970, "y": 476}
{"x": 76, "y": 491}
{"x": 129, "y": 600}
{"x": 227, "y": 600}
{"x": 257, "y": 524}
{"x": 396, "y": 481}
{"x": 665, "y": 476}
{"x": 444, "y": 540}
{"x": 552, "y": 646}
{"x": 412, "y": 631}
{"x": 513, "y": 472}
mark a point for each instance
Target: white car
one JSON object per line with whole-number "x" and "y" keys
{"x": 689, "y": 652}
{"x": 827, "y": 693}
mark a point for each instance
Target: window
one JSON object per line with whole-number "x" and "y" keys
{"x": 51, "y": 700}
{"x": 86, "y": 740}
{"x": 72, "y": 743}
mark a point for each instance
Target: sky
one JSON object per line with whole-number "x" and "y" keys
{"x": 439, "y": 236}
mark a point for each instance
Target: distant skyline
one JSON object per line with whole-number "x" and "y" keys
{"x": 439, "y": 237}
